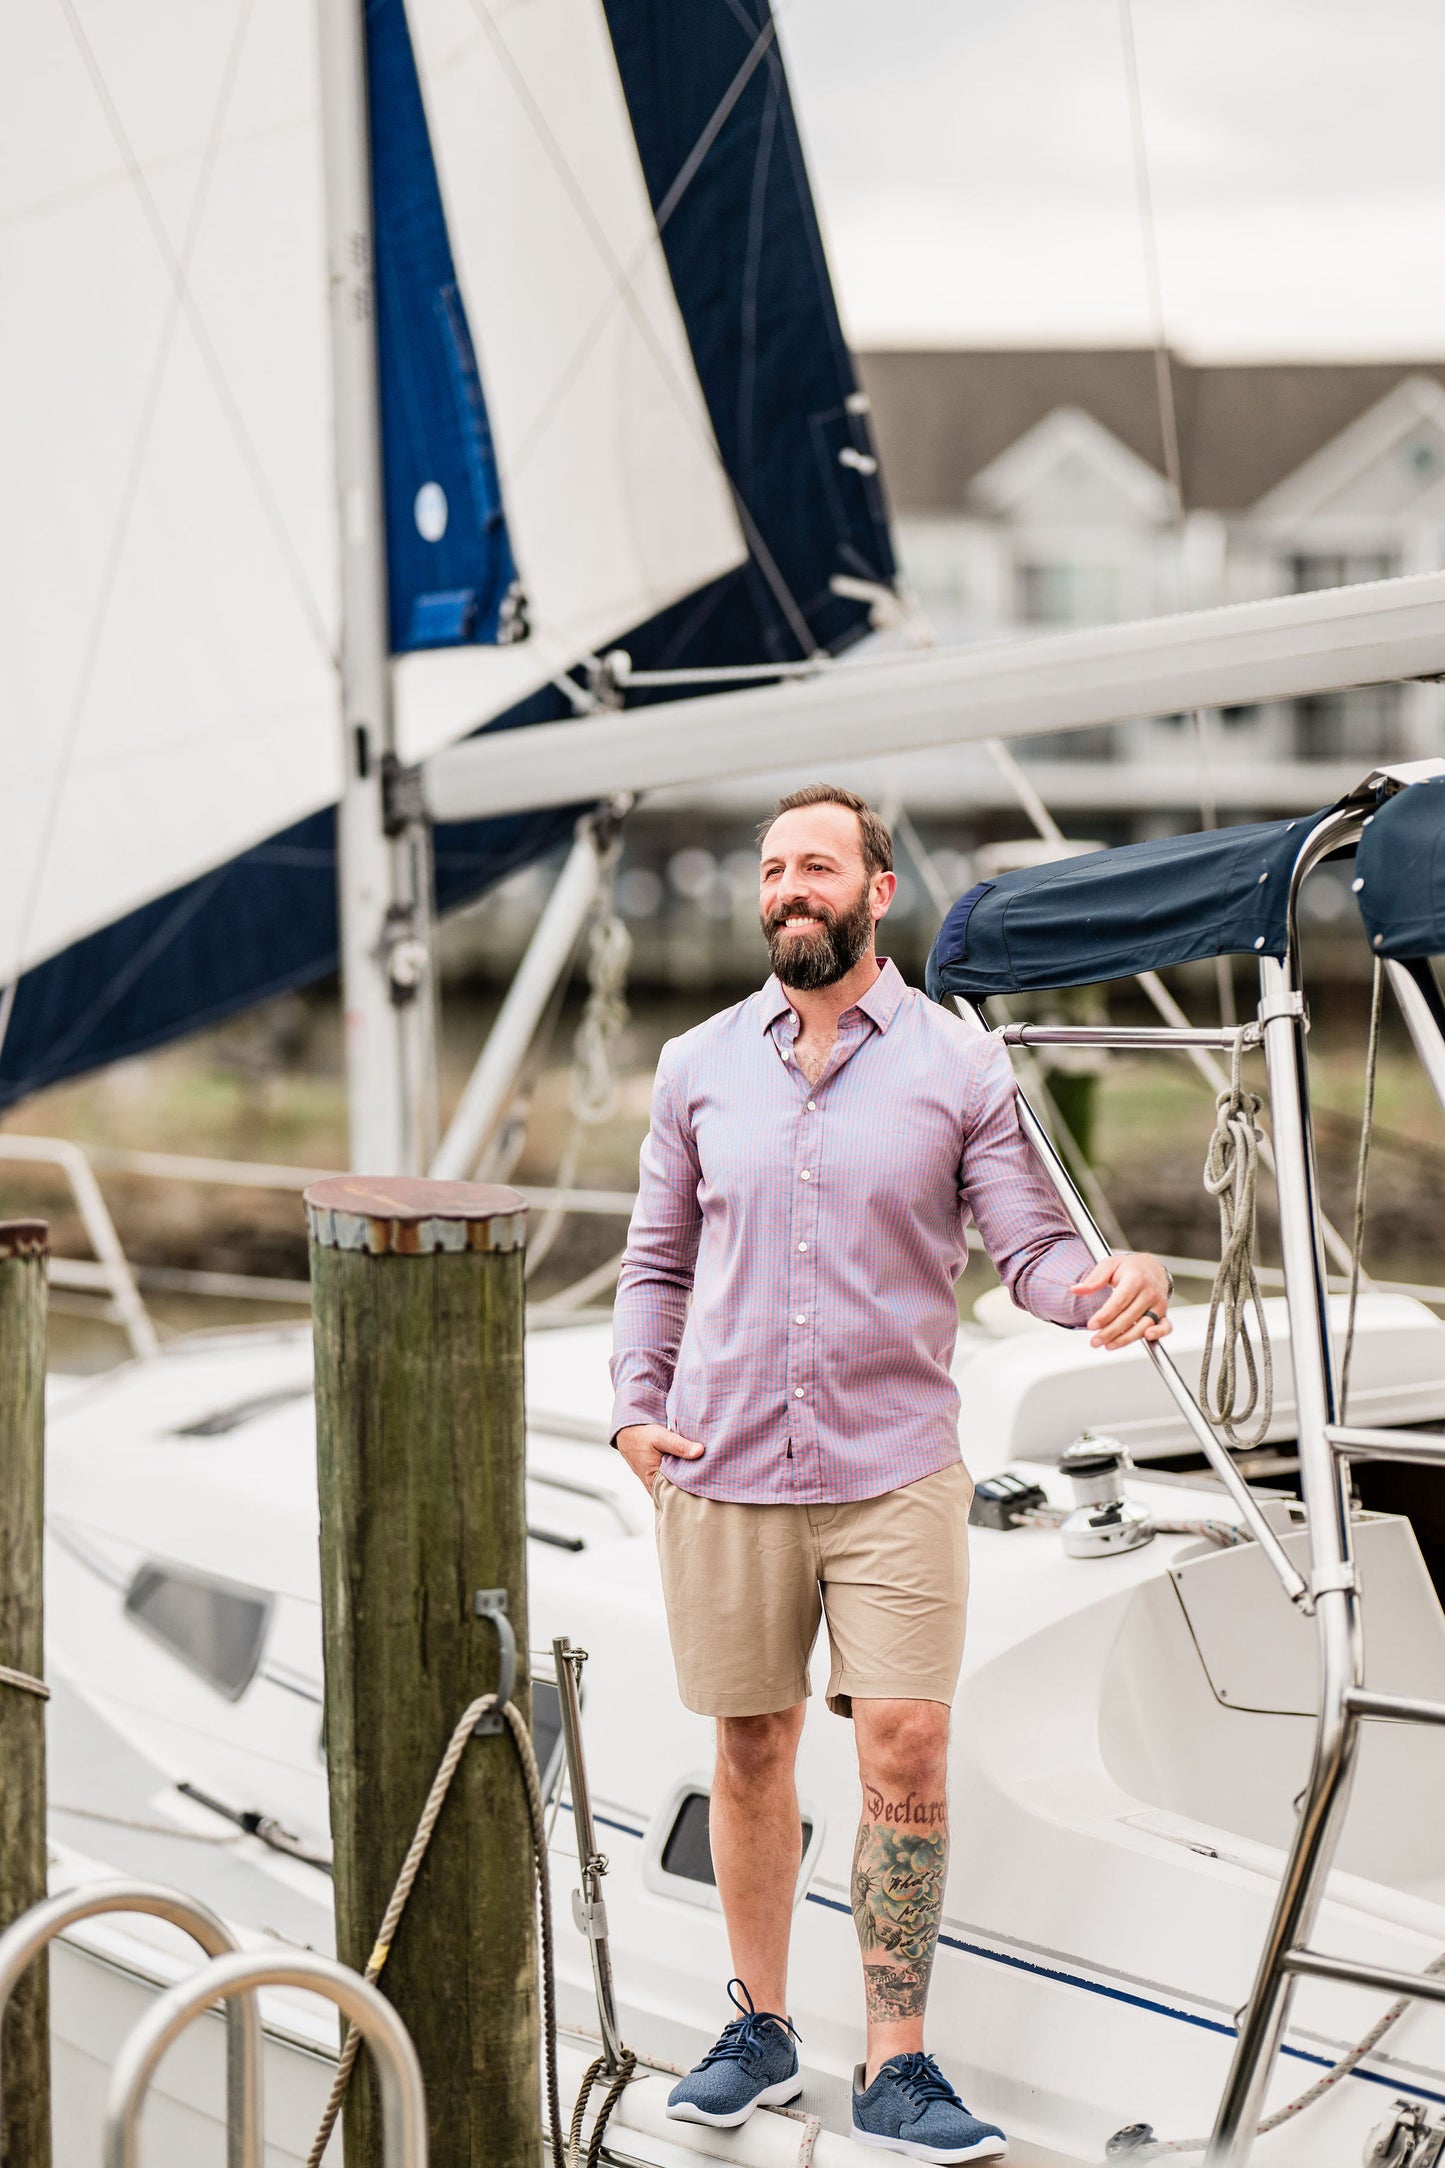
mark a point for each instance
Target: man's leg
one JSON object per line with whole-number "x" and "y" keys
{"x": 899, "y": 1863}
{"x": 757, "y": 1846}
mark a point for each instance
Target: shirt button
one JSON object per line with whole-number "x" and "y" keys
{"x": 812, "y": 1106}
{"x": 800, "y": 1319}
{"x": 797, "y": 1392}
{"x": 802, "y": 1245}
{"x": 805, "y": 1176}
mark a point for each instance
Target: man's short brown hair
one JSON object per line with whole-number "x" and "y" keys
{"x": 872, "y": 832}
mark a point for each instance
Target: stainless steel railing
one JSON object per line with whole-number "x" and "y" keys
{"x": 33, "y": 1932}
{"x": 234, "y": 1980}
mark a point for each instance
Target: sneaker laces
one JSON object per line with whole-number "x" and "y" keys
{"x": 919, "y": 2076}
{"x": 743, "y": 2038}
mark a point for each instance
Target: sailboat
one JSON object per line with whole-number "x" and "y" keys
{"x": 596, "y": 430}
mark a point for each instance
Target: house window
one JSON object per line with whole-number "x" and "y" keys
{"x": 1069, "y": 594}
{"x": 215, "y": 1628}
{"x": 1361, "y": 725}
{"x": 1339, "y": 568}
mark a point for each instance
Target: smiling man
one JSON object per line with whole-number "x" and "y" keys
{"x": 784, "y": 1329}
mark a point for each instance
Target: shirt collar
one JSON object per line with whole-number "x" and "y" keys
{"x": 879, "y": 1004}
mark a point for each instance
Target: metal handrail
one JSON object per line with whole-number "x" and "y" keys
{"x": 114, "y": 1265}
{"x": 403, "y": 2097}
{"x": 26, "y": 1937}
{"x": 589, "y": 1908}
{"x": 1086, "y": 1227}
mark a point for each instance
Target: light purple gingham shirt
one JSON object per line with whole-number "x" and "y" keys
{"x": 819, "y": 1230}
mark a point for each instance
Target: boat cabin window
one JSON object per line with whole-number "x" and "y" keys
{"x": 546, "y": 1729}
{"x": 214, "y": 1627}
{"x": 687, "y": 1847}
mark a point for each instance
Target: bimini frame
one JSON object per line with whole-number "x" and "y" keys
{"x": 1326, "y": 1448}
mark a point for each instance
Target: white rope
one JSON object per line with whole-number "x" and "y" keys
{"x": 1322, "y": 2085}
{"x": 24, "y": 1682}
{"x": 1243, "y": 1391}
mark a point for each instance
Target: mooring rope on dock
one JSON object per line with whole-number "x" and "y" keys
{"x": 411, "y": 1867}
{"x": 24, "y": 1682}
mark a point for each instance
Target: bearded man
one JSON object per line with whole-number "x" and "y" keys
{"x": 784, "y": 1329}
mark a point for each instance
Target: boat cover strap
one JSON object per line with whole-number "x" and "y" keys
{"x": 1400, "y": 873}
{"x": 1110, "y": 914}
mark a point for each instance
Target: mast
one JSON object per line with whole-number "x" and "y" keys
{"x": 384, "y": 869}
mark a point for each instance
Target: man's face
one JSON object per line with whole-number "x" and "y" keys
{"x": 817, "y": 904}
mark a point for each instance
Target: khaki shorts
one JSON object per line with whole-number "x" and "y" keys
{"x": 747, "y": 1585}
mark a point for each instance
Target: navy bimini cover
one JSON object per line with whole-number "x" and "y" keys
{"x": 1400, "y": 873}
{"x": 1109, "y": 914}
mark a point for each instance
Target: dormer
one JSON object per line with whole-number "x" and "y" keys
{"x": 1068, "y": 470}
{"x": 1387, "y": 465}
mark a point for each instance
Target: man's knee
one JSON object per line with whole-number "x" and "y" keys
{"x": 902, "y": 1744}
{"x": 753, "y": 1748}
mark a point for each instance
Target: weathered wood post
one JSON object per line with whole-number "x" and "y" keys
{"x": 24, "y": 1247}
{"x": 418, "y": 1305}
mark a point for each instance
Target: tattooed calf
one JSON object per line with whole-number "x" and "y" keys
{"x": 894, "y": 1991}
{"x": 897, "y": 1896}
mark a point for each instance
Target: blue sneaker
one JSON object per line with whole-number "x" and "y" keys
{"x": 911, "y": 2108}
{"x": 754, "y": 2065}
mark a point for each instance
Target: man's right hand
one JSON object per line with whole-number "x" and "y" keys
{"x": 643, "y": 1446}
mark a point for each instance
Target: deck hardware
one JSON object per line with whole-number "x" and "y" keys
{"x": 491, "y": 1603}
{"x": 588, "y": 1907}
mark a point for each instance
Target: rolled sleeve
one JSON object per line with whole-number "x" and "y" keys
{"x": 655, "y": 1283}
{"x": 1025, "y": 1229}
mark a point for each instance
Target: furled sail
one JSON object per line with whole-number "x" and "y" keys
{"x": 617, "y": 408}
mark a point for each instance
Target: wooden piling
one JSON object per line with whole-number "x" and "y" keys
{"x": 24, "y": 1247}
{"x": 418, "y": 1304}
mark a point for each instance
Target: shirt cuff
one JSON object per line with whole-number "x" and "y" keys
{"x": 636, "y": 1406}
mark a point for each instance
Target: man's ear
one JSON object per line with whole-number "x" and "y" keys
{"x": 885, "y": 888}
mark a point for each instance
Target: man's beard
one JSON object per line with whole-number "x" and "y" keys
{"x": 806, "y": 961}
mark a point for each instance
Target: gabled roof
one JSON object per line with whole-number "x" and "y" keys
{"x": 943, "y": 415}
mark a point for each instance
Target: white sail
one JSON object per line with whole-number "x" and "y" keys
{"x": 167, "y": 559}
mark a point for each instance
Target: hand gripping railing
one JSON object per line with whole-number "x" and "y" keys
{"x": 235, "y": 1978}
{"x": 26, "y": 1937}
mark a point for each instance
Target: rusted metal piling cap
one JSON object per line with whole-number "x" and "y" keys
{"x": 404, "y": 1216}
{"x": 24, "y": 1238}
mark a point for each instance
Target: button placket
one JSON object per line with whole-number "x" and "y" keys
{"x": 802, "y": 1279}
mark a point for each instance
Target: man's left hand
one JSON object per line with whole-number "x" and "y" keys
{"x": 1138, "y": 1307}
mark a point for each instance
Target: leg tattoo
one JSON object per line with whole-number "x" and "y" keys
{"x": 898, "y": 1869}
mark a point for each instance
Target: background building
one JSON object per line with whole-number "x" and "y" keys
{"x": 1029, "y": 493}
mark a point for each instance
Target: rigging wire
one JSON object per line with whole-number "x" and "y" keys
{"x": 1168, "y": 421}
{"x": 130, "y": 488}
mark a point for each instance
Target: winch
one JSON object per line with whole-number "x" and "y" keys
{"x": 1103, "y": 1519}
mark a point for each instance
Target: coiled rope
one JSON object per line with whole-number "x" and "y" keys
{"x": 411, "y": 1867}
{"x": 1243, "y": 1391}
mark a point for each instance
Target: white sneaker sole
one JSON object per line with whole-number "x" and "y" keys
{"x": 985, "y": 2149}
{"x": 771, "y": 2096}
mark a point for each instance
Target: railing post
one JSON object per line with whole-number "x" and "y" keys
{"x": 418, "y": 1306}
{"x": 25, "y": 2107}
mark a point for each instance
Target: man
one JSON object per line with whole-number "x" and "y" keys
{"x": 784, "y": 1326}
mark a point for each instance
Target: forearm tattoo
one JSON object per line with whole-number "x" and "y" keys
{"x": 899, "y": 1863}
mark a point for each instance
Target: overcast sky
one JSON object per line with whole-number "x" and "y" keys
{"x": 973, "y": 168}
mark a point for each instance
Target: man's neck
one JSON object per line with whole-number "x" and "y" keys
{"x": 821, "y": 1006}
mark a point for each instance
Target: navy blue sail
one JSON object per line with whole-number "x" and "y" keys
{"x": 718, "y": 144}
{"x": 450, "y": 576}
